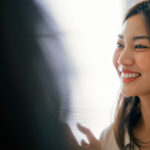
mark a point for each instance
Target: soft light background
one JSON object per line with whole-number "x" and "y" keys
{"x": 90, "y": 29}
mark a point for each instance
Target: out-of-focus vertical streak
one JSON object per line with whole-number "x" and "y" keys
{"x": 89, "y": 30}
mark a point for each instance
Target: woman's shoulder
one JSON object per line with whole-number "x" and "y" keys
{"x": 107, "y": 139}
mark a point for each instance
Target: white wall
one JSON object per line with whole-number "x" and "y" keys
{"x": 129, "y": 3}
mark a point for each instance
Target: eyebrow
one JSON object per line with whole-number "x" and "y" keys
{"x": 136, "y": 37}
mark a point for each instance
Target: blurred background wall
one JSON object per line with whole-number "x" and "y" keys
{"x": 89, "y": 30}
{"x": 129, "y": 3}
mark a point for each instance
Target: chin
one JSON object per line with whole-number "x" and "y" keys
{"x": 128, "y": 93}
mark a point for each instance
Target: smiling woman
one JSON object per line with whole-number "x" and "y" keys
{"x": 132, "y": 57}
{"x": 130, "y": 129}
{"x": 132, "y": 61}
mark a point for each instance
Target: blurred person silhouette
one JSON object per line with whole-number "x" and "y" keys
{"x": 33, "y": 82}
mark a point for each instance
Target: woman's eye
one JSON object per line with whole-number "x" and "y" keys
{"x": 119, "y": 45}
{"x": 140, "y": 46}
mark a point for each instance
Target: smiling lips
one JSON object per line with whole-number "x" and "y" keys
{"x": 129, "y": 76}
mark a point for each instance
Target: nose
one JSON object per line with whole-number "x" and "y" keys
{"x": 126, "y": 58}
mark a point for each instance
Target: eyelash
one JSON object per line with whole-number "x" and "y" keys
{"x": 119, "y": 45}
{"x": 140, "y": 46}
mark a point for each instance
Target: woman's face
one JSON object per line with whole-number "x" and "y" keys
{"x": 132, "y": 58}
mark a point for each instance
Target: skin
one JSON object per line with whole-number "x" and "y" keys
{"x": 93, "y": 144}
{"x": 134, "y": 55}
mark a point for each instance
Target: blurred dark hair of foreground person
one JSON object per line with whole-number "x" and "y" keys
{"x": 30, "y": 91}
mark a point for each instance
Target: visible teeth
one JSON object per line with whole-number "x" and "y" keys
{"x": 130, "y": 75}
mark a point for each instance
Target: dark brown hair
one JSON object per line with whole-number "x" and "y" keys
{"x": 128, "y": 111}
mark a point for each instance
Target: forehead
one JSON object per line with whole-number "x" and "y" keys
{"x": 134, "y": 26}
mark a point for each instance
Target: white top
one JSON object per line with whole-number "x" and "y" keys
{"x": 108, "y": 142}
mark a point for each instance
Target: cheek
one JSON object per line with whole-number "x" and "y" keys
{"x": 115, "y": 59}
{"x": 144, "y": 62}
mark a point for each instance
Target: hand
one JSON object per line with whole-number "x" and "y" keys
{"x": 69, "y": 139}
{"x": 94, "y": 144}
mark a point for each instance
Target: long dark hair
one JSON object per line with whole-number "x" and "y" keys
{"x": 30, "y": 91}
{"x": 128, "y": 111}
